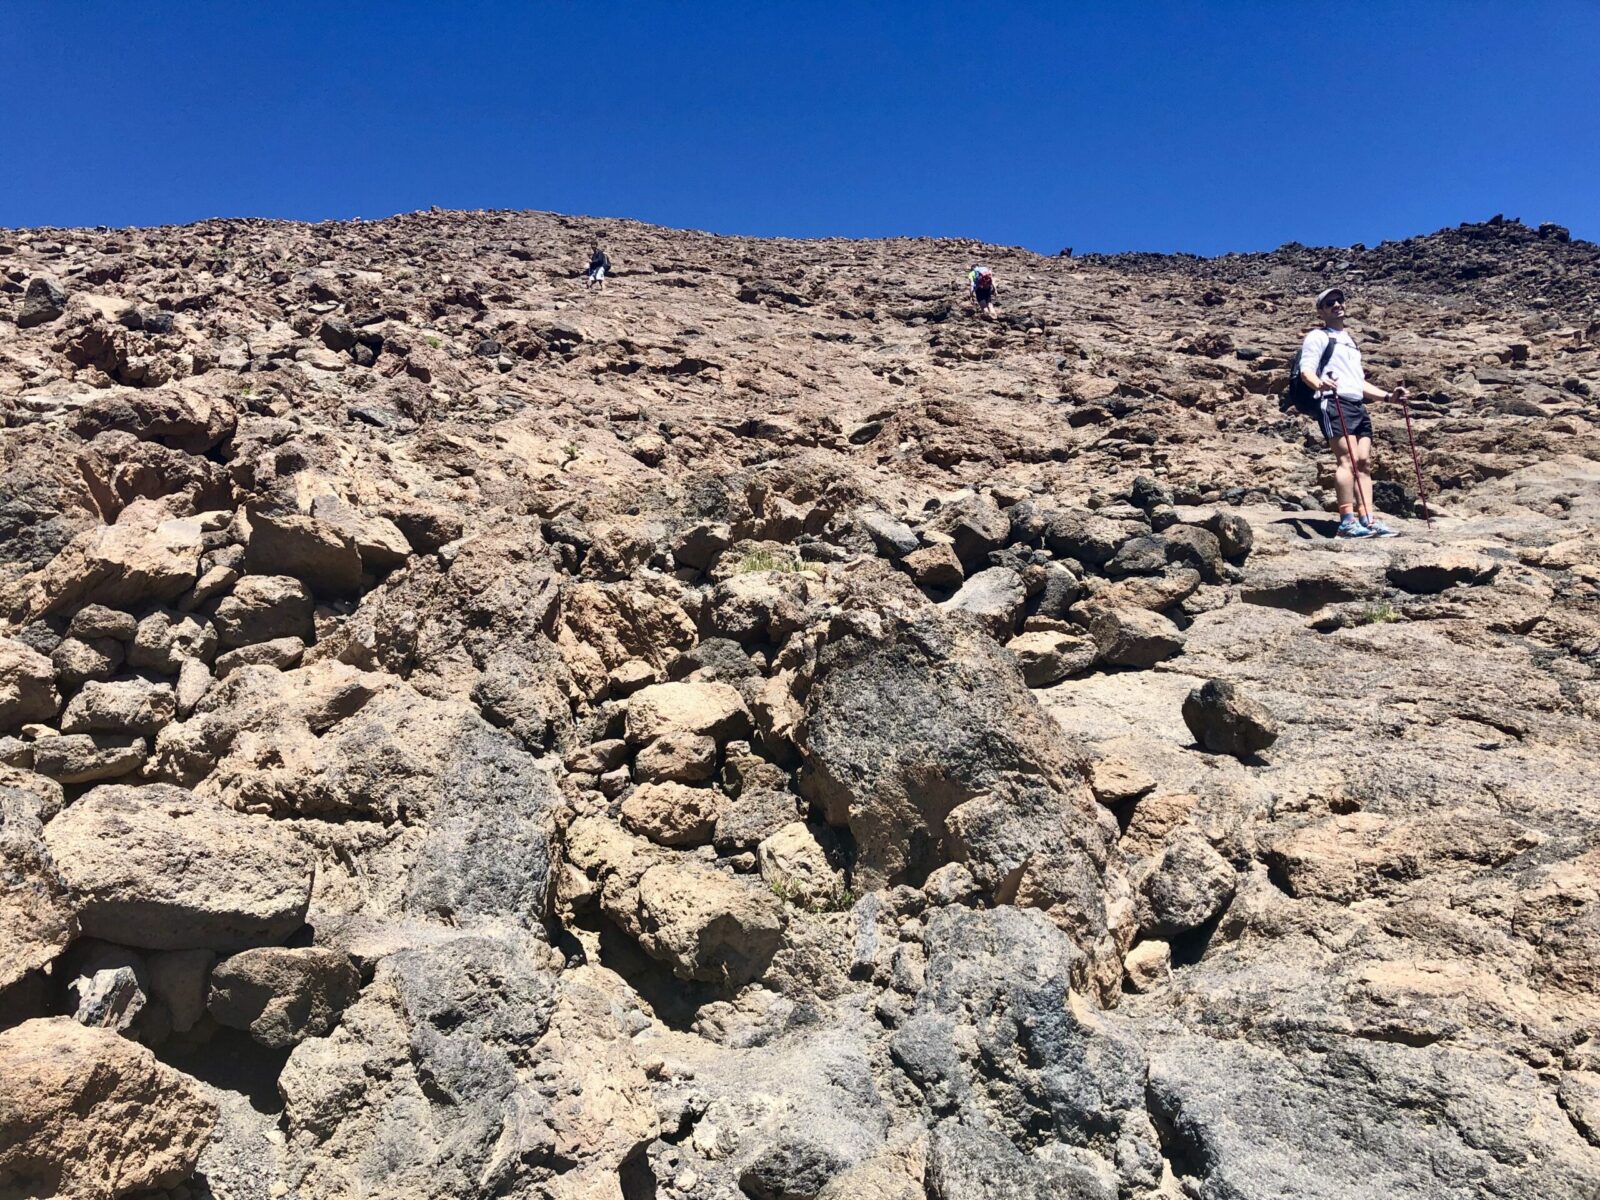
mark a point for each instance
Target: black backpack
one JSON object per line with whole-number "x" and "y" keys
{"x": 1298, "y": 396}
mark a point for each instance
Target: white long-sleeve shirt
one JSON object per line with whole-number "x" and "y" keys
{"x": 1345, "y": 363}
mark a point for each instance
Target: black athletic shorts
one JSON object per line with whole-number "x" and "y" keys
{"x": 1356, "y": 419}
{"x": 983, "y": 294}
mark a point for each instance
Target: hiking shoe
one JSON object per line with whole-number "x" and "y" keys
{"x": 1349, "y": 527}
{"x": 1378, "y": 529}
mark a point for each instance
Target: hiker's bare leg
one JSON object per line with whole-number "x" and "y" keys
{"x": 1344, "y": 478}
{"x": 1364, "y": 475}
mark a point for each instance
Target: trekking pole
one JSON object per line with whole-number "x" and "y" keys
{"x": 1363, "y": 508}
{"x": 1416, "y": 465}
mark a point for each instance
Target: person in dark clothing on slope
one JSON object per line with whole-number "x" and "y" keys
{"x": 599, "y": 268}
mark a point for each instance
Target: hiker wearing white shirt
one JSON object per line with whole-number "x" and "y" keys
{"x": 1343, "y": 391}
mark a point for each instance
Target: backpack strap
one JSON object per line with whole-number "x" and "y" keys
{"x": 1327, "y": 351}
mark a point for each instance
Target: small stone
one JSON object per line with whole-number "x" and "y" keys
{"x": 933, "y": 567}
{"x": 1148, "y": 966}
{"x": 677, "y": 758}
{"x": 282, "y": 996}
{"x": 1226, "y": 721}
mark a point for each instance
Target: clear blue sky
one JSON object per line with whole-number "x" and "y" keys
{"x": 1104, "y": 126}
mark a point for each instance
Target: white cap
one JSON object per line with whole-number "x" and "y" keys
{"x": 1323, "y": 296}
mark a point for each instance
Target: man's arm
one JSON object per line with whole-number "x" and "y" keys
{"x": 1369, "y": 392}
{"x": 1310, "y": 353}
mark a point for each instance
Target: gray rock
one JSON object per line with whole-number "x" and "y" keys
{"x": 1339, "y": 1118}
{"x": 282, "y": 996}
{"x": 128, "y": 706}
{"x": 893, "y": 538}
{"x": 1234, "y": 536}
{"x": 975, "y": 526}
{"x": 1192, "y": 546}
{"x": 281, "y": 653}
{"x": 1187, "y": 886}
{"x": 995, "y": 597}
{"x": 88, "y": 757}
{"x": 1226, "y": 721}
{"x": 1146, "y": 555}
{"x": 967, "y": 1163}
{"x": 42, "y": 303}
{"x": 752, "y": 818}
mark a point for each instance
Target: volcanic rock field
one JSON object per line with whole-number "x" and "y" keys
{"x": 762, "y": 730}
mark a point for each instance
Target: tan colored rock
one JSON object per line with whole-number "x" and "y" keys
{"x": 147, "y": 557}
{"x": 77, "y": 661}
{"x": 27, "y": 685}
{"x": 319, "y": 554}
{"x": 159, "y": 868}
{"x": 933, "y": 567}
{"x": 279, "y": 653}
{"x": 677, "y": 758}
{"x": 1048, "y": 657}
{"x": 1131, "y": 637}
{"x": 264, "y": 607}
{"x": 1148, "y": 965}
{"x": 795, "y": 865}
{"x": 87, "y": 757}
{"x": 1116, "y": 782}
{"x": 714, "y": 710}
{"x": 88, "y": 1115}
{"x": 128, "y": 706}
{"x": 165, "y": 639}
{"x": 37, "y": 917}
{"x": 707, "y": 925}
{"x": 178, "y": 980}
{"x": 673, "y": 814}
{"x": 378, "y": 540}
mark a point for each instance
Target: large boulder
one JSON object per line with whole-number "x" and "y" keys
{"x": 147, "y": 557}
{"x": 87, "y": 1115}
{"x": 160, "y": 868}
{"x": 468, "y": 1068}
{"x": 27, "y": 685}
{"x": 1130, "y": 637}
{"x": 37, "y": 918}
{"x": 926, "y": 743}
{"x": 283, "y": 996}
{"x": 713, "y": 710}
{"x": 319, "y": 553}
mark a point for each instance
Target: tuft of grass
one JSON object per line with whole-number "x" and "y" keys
{"x": 840, "y": 899}
{"x": 1378, "y": 614}
{"x": 433, "y": 341}
{"x": 766, "y": 560}
{"x": 569, "y": 451}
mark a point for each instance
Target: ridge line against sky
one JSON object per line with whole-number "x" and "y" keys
{"x": 1159, "y": 126}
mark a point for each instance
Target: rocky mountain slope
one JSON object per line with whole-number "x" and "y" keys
{"x": 761, "y": 730}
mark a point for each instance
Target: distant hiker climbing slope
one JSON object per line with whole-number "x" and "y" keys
{"x": 599, "y": 268}
{"x": 980, "y": 283}
{"x": 1330, "y": 366}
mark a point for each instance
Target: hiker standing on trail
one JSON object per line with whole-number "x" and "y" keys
{"x": 1330, "y": 365}
{"x": 980, "y": 281}
{"x": 599, "y": 265}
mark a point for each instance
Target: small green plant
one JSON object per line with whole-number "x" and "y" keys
{"x": 766, "y": 560}
{"x": 838, "y": 899}
{"x": 434, "y": 341}
{"x": 569, "y": 451}
{"x": 1378, "y": 614}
